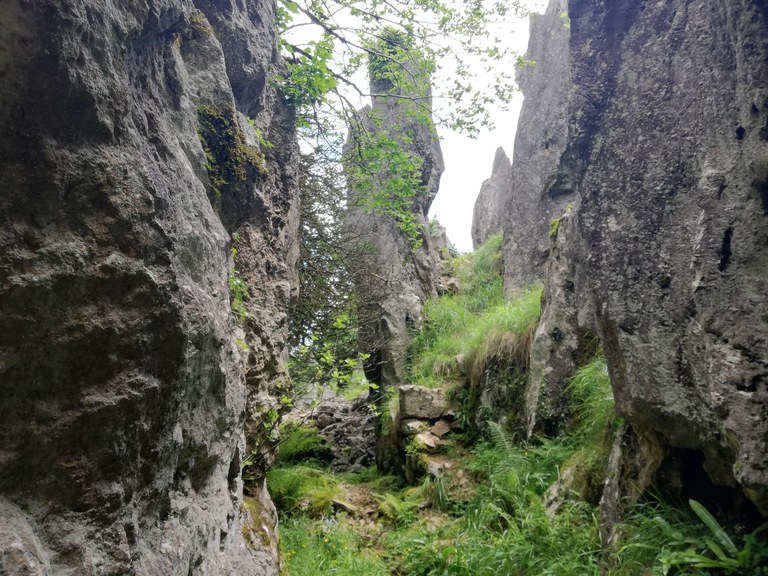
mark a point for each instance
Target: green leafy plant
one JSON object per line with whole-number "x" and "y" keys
{"x": 238, "y": 295}
{"x": 715, "y": 551}
{"x": 299, "y": 443}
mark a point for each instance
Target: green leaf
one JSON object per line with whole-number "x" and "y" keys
{"x": 713, "y": 525}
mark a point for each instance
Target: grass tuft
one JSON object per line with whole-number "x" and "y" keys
{"x": 462, "y": 332}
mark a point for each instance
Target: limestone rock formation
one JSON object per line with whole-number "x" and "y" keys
{"x": 565, "y": 337}
{"x": 488, "y": 213}
{"x": 537, "y": 196}
{"x": 123, "y": 389}
{"x": 663, "y": 149}
{"x": 668, "y": 149}
{"x": 422, "y": 403}
{"x": 349, "y": 428}
{"x": 422, "y": 420}
{"x": 393, "y": 277}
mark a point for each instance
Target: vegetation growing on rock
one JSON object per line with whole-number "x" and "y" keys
{"x": 491, "y": 502}
{"x": 231, "y": 162}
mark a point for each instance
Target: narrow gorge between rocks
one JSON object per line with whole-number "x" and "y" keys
{"x": 233, "y": 342}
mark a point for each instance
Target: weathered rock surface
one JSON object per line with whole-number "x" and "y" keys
{"x": 420, "y": 426}
{"x": 392, "y": 281}
{"x": 668, "y": 150}
{"x": 392, "y": 277}
{"x": 489, "y": 210}
{"x": 350, "y": 430}
{"x": 123, "y": 390}
{"x": 537, "y": 196}
{"x": 565, "y": 337}
{"x": 666, "y": 158}
{"x": 422, "y": 403}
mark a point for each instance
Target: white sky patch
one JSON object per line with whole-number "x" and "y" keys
{"x": 468, "y": 161}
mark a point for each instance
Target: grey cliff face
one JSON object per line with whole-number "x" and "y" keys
{"x": 536, "y": 195}
{"x": 124, "y": 399}
{"x": 664, "y": 253}
{"x": 488, "y": 214}
{"x": 668, "y": 149}
{"x": 565, "y": 338}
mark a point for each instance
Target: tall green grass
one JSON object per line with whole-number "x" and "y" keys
{"x": 501, "y": 518}
{"x": 319, "y": 547}
{"x": 461, "y": 331}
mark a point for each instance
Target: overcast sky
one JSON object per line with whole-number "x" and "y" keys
{"x": 468, "y": 161}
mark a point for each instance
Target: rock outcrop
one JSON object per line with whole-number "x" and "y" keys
{"x": 565, "y": 337}
{"x": 395, "y": 260}
{"x": 489, "y": 210}
{"x": 129, "y": 173}
{"x": 663, "y": 150}
{"x": 668, "y": 149}
{"x": 536, "y": 196}
{"x": 422, "y": 420}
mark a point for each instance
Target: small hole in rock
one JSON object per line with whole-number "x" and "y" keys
{"x": 762, "y": 190}
{"x": 234, "y": 471}
{"x": 725, "y": 250}
{"x": 740, "y": 133}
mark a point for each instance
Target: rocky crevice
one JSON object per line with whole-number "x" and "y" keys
{"x": 536, "y": 196}
{"x": 661, "y": 151}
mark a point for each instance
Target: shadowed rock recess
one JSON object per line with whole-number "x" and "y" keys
{"x": 128, "y": 174}
{"x": 664, "y": 153}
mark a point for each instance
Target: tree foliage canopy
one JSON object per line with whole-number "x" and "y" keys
{"x": 330, "y": 43}
{"x": 339, "y": 54}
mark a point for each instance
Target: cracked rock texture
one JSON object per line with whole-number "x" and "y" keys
{"x": 662, "y": 145}
{"x": 564, "y": 338}
{"x": 124, "y": 395}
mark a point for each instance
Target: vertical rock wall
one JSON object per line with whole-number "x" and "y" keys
{"x": 668, "y": 148}
{"x": 123, "y": 392}
{"x": 527, "y": 202}
{"x": 535, "y": 196}
{"x": 392, "y": 279}
{"x": 664, "y": 152}
{"x": 488, "y": 213}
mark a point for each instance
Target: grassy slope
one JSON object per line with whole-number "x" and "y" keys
{"x": 487, "y": 514}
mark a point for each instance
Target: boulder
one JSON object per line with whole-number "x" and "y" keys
{"x": 422, "y": 403}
